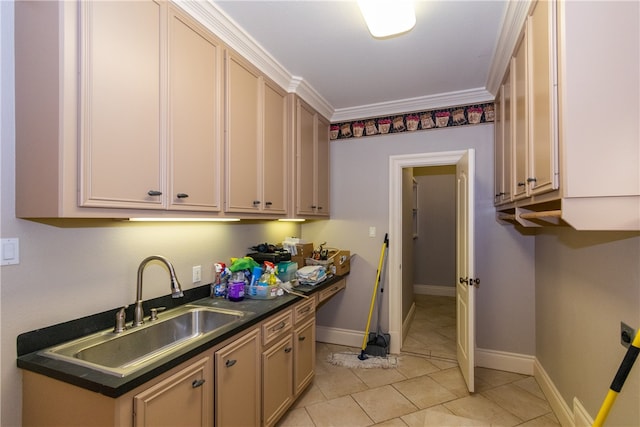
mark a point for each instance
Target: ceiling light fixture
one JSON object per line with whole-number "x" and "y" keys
{"x": 387, "y": 18}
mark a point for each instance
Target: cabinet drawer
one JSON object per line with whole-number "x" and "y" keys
{"x": 277, "y": 327}
{"x": 304, "y": 310}
{"x": 331, "y": 290}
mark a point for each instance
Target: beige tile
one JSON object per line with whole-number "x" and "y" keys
{"x": 379, "y": 377}
{"x": 342, "y": 411}
{"x": 518, "y": 401}
{"x": 444, "y": 363}
{"x": 424, "y": 391}
{"x": 495, "y": 378}
{"x": 548, "y": 420}
{"x": 339, "y": 382}
{"x": 296, "y": 418}
{"x": 531, "y": 385}
{"x": 384, "y": 403}
{"x": 415, "y": 419}
{"x": 435, "y": 418}
{"x": 395, "y": 422}
{"x": 452, "y": 380}
{"x": 480, "y": 408}
{"x": 414, "y": 366}
{"x": 311, "y": 395}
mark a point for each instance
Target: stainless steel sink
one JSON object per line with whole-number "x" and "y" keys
{"x": 122, "y": 353}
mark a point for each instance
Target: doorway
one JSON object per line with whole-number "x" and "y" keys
{"x": 397, "y": 251}
{"x": 430, "y": 326}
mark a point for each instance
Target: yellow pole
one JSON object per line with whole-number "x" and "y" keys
{"x": 373, "y": 297}
{"x": 623, "y": 371}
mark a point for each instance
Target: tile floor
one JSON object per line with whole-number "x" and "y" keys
{"x": 425, "y": 389}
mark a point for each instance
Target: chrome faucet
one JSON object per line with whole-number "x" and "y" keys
{"x": 176, "y": 291}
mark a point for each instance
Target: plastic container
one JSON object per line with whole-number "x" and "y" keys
{"x": 235, "y": 288}
{"x": 287, "y": 270}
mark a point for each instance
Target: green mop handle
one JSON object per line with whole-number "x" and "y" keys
{"x": 618, "y": 381}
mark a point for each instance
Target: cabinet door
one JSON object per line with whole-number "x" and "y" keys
{"x": 304, "y": 341}
{"x": 519, "y": 75}
{"x": 194, "y": 116}
{"x": 305, "y": 135}
{"x": 542, "y": 139}
{"x": 237, "y": 391}
{"x": 120, "y": 97}
{"x": 244, "y": 121}
{"x": 322, "y": 167}
{"x": 277, "y": 380}
{"x": 275, "y": 150}
{"x": 183, "y": 399}
{"x": 502, "y": 179}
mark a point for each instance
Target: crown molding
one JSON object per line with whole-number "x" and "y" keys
{"x": 227, "y": 30}
{"x": 450, "y": 99}
{"x": 512, "y": 25}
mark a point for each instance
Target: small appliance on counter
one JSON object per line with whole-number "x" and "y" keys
{"x": 271, "y": 253}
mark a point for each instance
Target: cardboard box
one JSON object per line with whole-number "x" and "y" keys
{"x": 342, "y": 262}
{"x": 305, "y": 250}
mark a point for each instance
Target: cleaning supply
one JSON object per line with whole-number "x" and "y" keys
{"x": 219, "y": 286}
{"x": 235, "y": 291}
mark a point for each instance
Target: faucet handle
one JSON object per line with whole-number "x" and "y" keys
{"x": 120, "y": 320}
{"x": 154, "y": 312}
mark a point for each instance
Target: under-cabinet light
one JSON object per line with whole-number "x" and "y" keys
{"x": 387, "y": 18}
{"x": 291, "y": 220}
{"x": 184, "y": 219}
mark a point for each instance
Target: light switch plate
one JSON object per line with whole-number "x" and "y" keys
{"x": 197, "y": 273}
{"x": 10, "y": 251}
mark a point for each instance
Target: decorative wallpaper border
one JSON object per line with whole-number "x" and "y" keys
{"x": 409, "y": 122}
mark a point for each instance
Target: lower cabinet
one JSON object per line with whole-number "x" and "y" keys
{"x": 277, "y": 380}
{"x": 237, "y": 385}
{"x": 182, "y": 399}
{"x": 304, "y": 352}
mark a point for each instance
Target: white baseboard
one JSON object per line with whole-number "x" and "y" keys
{"x": 580, "y": 415}
{"x": 339, "y": 336}
{"x": 505, "y": 361}
{"x": 441, "y": 291}
{"x": 559, "y": 406}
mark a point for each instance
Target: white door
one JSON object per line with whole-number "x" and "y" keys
{"x": 465, "y": 289}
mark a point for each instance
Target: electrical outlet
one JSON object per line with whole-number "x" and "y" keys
{"x": 197, "y": 273}
{"x": 627, "y": 333}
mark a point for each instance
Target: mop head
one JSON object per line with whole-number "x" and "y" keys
{"x": 352, "y": 360}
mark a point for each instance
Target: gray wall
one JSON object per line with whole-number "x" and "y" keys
{"x": 359, "y": 199}
{"x": 586, "y": 284}
{"x": 435, "y": 247}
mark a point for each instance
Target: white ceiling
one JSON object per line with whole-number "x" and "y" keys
{"x": 327, "y": 45}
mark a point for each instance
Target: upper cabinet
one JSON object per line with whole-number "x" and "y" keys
{"x": 565, "y": 164}
{"x": 312, "y": 162}
{"x": 195, "y": 116}
{"x": 138, "y": 128}
{"x": 256, "y": 143}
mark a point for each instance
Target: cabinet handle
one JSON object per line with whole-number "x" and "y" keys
{"x": 268, "y": 203}
{"x": 229, "y": 363}
{"x": 501, "y": 194}
{"x": 182, "y": 195}
{"x": 154, "y": 193}
{"x": 531, "y": 180}
{"x": 305, "y": 310}
{"x": 288, "y": 349}
{"x": 256, "y": 202}
{"x": 301, "y": 338}
{"x": 319, "y": 208}
{"x": 280, "y": 326}
{"x": 313, "y": 206}
{"x": 197, "y": 383}
{"x": 521, "y": 184}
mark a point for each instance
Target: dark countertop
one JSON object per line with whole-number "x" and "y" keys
{"x": 30, "y": 344}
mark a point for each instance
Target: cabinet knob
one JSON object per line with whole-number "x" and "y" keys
{"x": 230, "y": 362}
{"x": 521, "y": 184}
{"x": 319, "y": 208}
{"x": 288, "y": 349}
{"x": 301, "y": 338}
{"x": 154, "y": 193}
{"x": 182, "y": 195}
{"x": 313, "y": 206}
{"x": 256, "y": 202}
{"x": 197, "y": 383}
